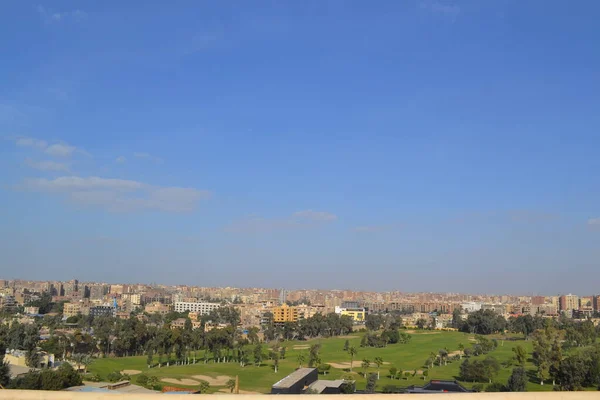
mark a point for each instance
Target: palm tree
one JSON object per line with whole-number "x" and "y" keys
{"x": 365, "y": 365}
{"x": 379, "y": 362}
{"x": 230, "y": 385}
{"x": 433, "y": 357}
{"x": 461, "y": 348}
{"x": 86, "y": 360}
{"x": 352, "y": 351}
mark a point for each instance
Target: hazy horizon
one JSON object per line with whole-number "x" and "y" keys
{"x": 440, "y": 146}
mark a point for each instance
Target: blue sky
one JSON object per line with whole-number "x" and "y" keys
{"x": 407, "y": 145}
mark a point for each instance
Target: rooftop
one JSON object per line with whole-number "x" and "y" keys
{"x": 294, "y": 377}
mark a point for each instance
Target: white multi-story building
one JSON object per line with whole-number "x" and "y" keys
{"x": 200, "y": 308}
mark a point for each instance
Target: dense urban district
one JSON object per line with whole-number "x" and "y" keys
{"x": 137, "y": 338}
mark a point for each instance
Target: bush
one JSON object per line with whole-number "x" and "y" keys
{"x": 114, "y": 376}
{"x": 478, "y": 387}
{"x": 496, "y": 387}
{"x": 93, "y": 378}
{"x": 142, "y": 379}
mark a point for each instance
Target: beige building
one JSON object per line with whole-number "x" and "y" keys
{"x": 157, "y": 307}
{"x": 285, "y": 313}
{"x": 71, "y": 309}
{"x": 569, "y": 302}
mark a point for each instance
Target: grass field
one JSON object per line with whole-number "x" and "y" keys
{"x": 409, "y": 357}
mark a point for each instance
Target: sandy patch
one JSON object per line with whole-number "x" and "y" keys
{"x": 386, "y": 363}
{"x": 348, "y": 337}
{"x": 472, "y": 339}
{"x": 301, "y": 347}
{"x": 241, "y": 391}
{"x": 220, "y": 380}
{"x": 419, "y": 372}
{"x": 187, "y": 382}
{"x": 131, "y": 371}
{"x": 422, "y": 332}
{"x": 454, "y": 353}
{"x": 343, "y": 365}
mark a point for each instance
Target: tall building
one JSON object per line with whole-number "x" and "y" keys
{"x": 283, "y": 296}
{"x": 569, "y": 302}
{"x": 70, "y": 287}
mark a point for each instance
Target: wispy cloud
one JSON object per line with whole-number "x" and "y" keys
{"x": 444, "y": 8}
{"x": 595, "y": 222}
{"x": 297, "y": 220}
{"x": 50, "y": 16}
{"x": 119, "y": 195}
{"x": 120, "y": 160}
{"x": 47, "y": 165}
{"x": 149, "y": 157}
{"x": 59, "y": 149}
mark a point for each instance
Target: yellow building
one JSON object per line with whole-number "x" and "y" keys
{"x": 71, "y": 309}
{"x": 285, "y": 313}
{"x": 357, "y": 314}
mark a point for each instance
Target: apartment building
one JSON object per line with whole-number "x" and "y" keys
{"x": 357, "y": 314}
{"x": 202, "y": 308}
{"x": 157, "y": 307}
{"x": 568, "y": 302}
{"x": 285, "y": 313}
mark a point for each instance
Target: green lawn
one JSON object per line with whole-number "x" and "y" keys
{"x": 403, "y": 356}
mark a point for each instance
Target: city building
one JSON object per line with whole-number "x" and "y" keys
{"x": 101, "y": 311}
{"x": 157, "y": 307}
{"x": 568, "y": 302}
{"x": 285, "y": 313}
{"x": 357, "y": 314}
{"x": 202, "y": 308}
{"x": 71, "y": 309}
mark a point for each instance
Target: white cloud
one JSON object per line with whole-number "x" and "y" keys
{"x": 30, "y": 142}
{"x": 594, "y": 222}
{"x": 119, "y": 194}
{"x": 60, "y": 150}
{"x": 149, "y": 157}
{"x": 47, "y": 165}
{"x": 55, "y": 16}
{"x": 315, "y": 215}
{"x": 120, "y": 160}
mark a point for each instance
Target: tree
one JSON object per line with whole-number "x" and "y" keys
{"x": 421, "y": 323}
{"x": 520, "y": 355}
{"x": 324, "y": 368}
{"x": 371, "y": 383}
{"x": 517, "y": 380}
{"x": 149, "y": 357}
{"x": 366, "y": 363}
{"x": 301, "y": 358}
{"x": 393, "y": 372}
{"x": 276, "y": 362}
{"x": 406, "y": 375}
{"x": 203, "y": 386}
{"x": 32, "y": 358}
{"x": 152, "y": 382}
{"x": 346, "y": 345}
{"x": 443, "y": 356}
{"x": 425, "y": 374}
{"x": 461, "y": 349}
{"x": 230, "y": 385}
{"x": 282, "y": 353}
{"x": 379, "y": 363}
{"x": 491, "y": 367}
{"x": 373, "y": 322}
{"x": 457, "y": 320}
{"x": 258, "y": 355}
{"x": 352, "y": 351}
{"x": 4, "y": 372}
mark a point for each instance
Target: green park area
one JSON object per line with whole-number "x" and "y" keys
{"x": 410, "y": 358}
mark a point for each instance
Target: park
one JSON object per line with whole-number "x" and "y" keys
{"x": 407, "y": 360}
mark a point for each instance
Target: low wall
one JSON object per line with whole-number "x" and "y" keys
{"x": 43, "y": 395}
